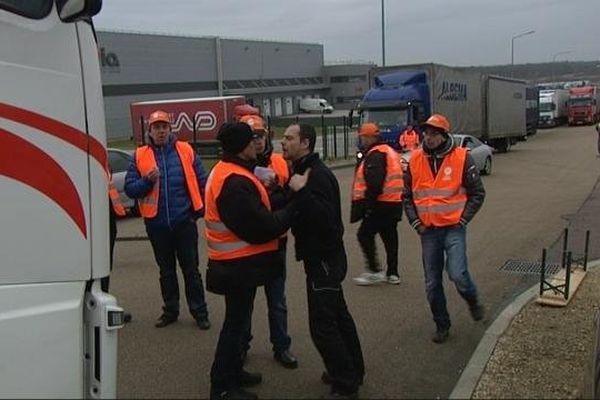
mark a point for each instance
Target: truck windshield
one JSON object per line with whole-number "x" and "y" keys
{"x": 580, "y": 102}
{"x": 35, "y": 9}
{"x": 386, "y": 118}
{"x": 547, "y": 107}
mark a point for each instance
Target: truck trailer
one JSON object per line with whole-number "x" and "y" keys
{"x": 58, "y": 330}
{"x": 553, "y": 107}
{"x": 195, "y": 120}
{"x": 488, "y": 107}
{"x": 583, "y": 107}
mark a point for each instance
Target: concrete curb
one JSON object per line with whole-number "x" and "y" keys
{"x": 470, "y": 376}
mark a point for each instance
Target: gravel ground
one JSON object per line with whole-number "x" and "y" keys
{"x": 546, "y": 352}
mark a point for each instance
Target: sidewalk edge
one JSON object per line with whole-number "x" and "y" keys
{"x": 469, "y": 378}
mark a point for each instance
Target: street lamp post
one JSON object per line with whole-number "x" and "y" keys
{"x": 512, "y": 48}
{"x": 383, "y": 32}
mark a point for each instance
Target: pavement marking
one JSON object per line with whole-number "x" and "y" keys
{"x": 469, "y": 378}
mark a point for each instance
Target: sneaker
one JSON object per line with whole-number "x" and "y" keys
{"x": 164, "y": 320}
{"x": 393, "y": 280}
{"x": 477, "y": 311}
{"x": 370, "y": 278}
{"x": 440, "y": 335}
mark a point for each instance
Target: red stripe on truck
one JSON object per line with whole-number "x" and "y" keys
{"x": 57, "y": 129}
{"x": 26, "y": 163}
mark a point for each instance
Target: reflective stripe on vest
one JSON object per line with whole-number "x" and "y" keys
{"x": 393, "y": 183}
{"x": 146, "y": 162}
{"x": 278, "y": 164}
{"x": 439, "y": 201}
{"x": 115, "y": 201}
{"x": 222, "y": 243}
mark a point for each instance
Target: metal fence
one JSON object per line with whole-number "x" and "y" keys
{"x": 335, "y": 137}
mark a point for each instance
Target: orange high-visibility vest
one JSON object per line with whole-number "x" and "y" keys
{"x": 145, "y": 162}
{"x": 440, "y": 200}
{"x": 278, "y": 164}
{"x": 409, "y": 140}
{"x": 222, "y": 243}
{"x": 115, "y": 199}
{"x": 394, "y": 179}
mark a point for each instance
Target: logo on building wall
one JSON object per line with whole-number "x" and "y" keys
{"x": 205, "y": 121}
{"x": 109, "y": 61}
{"x": 453, "y": 91}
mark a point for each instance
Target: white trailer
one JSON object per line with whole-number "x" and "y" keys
{"x": 553, "y": 106}
{"x": 58, "y": 330}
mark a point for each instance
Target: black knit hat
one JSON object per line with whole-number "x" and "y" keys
{"x": 234, "y": 137}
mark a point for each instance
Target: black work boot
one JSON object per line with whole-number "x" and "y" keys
{"x": 477, "y": 311}
{"x": 233, "y": 394}
{"x": 441, "y": 335}
{"x": 248, "y": 379}
{"x": 164, "y": 320}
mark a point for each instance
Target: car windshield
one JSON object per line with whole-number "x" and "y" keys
{"x": 386, "y": 118}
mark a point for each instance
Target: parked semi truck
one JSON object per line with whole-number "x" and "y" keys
{"x": 195, "y": 120}
{"x": 58, "y": 330}
{"x": 532, "y": 109}
{"x": 553, "y": 107}
{"x": 488, "y": 107}
{"x": 583, "y": 107}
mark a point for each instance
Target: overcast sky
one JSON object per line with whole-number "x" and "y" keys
{"x": 452, "y": 32}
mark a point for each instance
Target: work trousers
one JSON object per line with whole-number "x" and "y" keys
{"x": 227, "y": 365}
{"x": 179, "y": 243}
{"x": 112, "y": 237}
{"x": 446, "y": 248}
{"x": 334, "y": 334}
{"x": 387, "y": 228}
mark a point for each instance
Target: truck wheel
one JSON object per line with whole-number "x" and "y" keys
{"x": 487, "y": 167}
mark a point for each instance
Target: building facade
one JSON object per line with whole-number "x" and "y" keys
{"x": 273, "y": 76}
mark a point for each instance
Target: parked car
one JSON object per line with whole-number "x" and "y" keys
{"x": 482, "y": 153}
{"x": 118, "y": 160}
{"x": 315, "y": 105}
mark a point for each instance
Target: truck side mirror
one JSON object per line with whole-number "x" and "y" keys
{"x": 75, "y": 10}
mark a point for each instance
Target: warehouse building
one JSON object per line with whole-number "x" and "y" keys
{"x": 273, "y": 76}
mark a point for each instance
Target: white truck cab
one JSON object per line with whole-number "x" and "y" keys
{"x": 58, "y": 330}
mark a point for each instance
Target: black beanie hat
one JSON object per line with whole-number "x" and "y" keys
{"x": 234, "y": 137}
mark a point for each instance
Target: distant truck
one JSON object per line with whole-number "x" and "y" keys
{"x": 488, "y": 107}
{"x": 583, "y": 107}
{"x": 553, "y": 107}
{"x": 195, "y": 120}
{"x": 310, "y": 105}
{"x": 532, "y": 109}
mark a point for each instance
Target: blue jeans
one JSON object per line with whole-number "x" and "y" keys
{"x": 446, "y": 247}
{"x": 276, "y": 303}
{"x": 179, "y": 244}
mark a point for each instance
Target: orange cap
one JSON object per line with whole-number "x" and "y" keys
{"x": 255, "y": 122}
{"x": 368, "y": 129}
{"x": 438, "y": 121}
{"x": 159, "y": 116}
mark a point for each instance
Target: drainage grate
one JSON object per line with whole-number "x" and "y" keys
{"x": 529, "y": 267}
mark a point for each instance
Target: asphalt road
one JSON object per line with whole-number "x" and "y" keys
{"x": 530, "y": 194}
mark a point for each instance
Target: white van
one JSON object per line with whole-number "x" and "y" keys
{"x": 315, "y": 105}
{"x": 58, "y": 330}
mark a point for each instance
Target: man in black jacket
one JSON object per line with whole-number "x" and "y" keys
{"x": 442, "y": 193}
{"x": 377, "y": 201}
{"x": 243, "y": 251}
{"x": 318, "y": 233}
